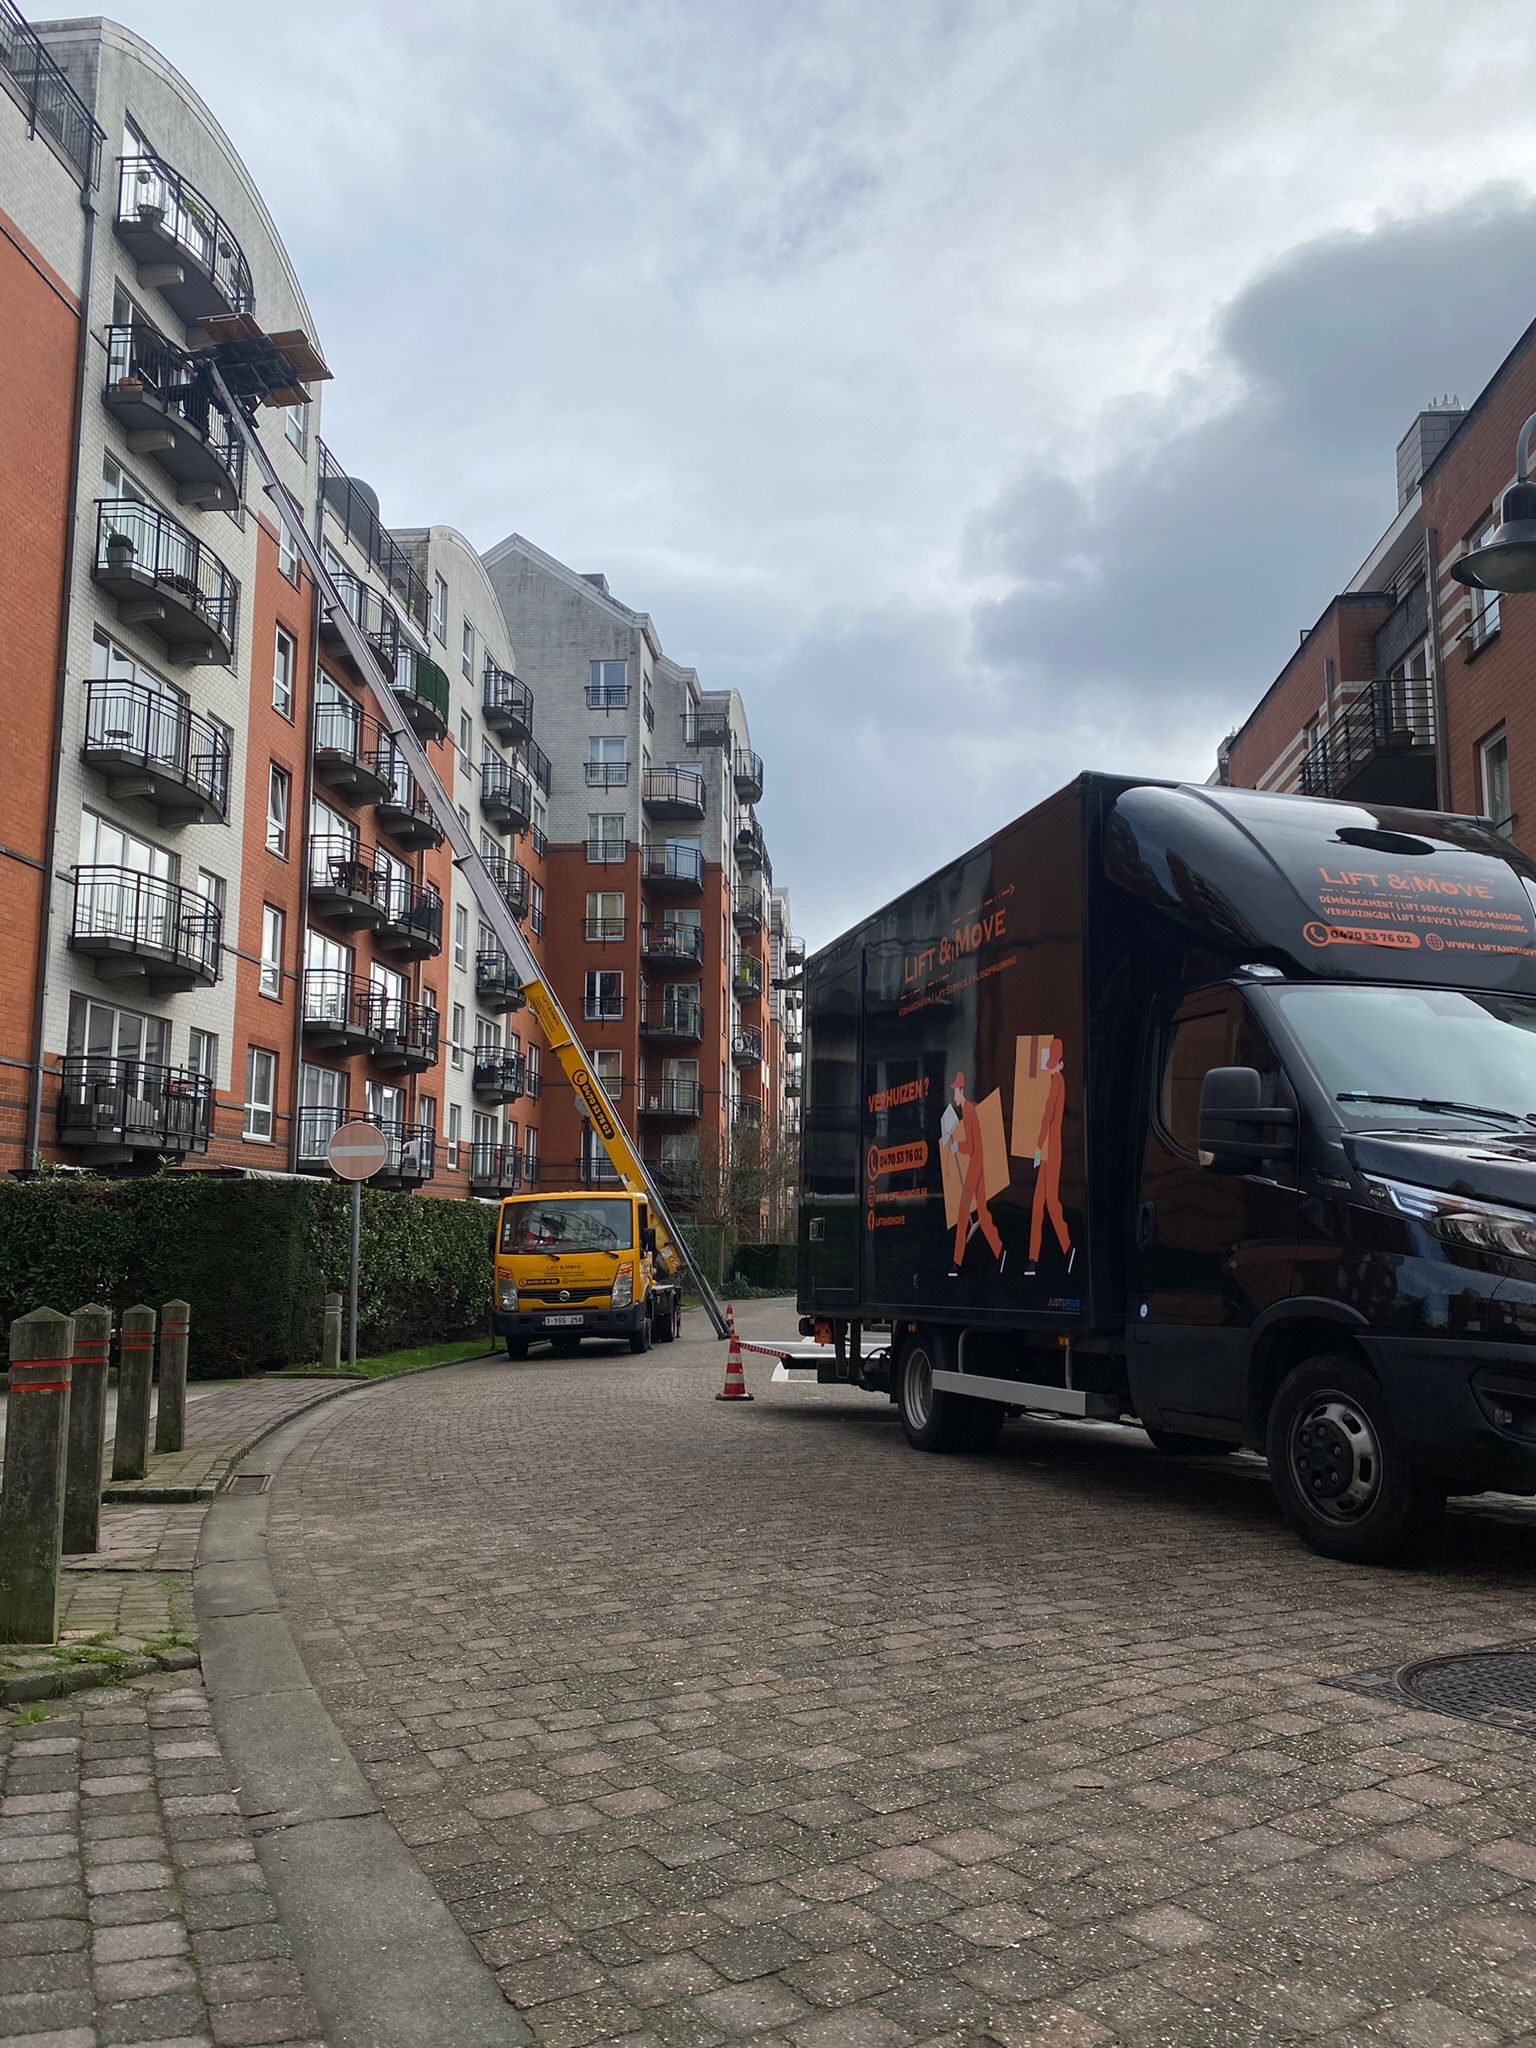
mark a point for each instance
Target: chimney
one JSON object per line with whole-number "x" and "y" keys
{"x": 1423, "y": 442}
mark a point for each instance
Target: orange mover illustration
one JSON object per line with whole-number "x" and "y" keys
{"x": 1047, "y": 1150}
{"x": 966, "y": 1143}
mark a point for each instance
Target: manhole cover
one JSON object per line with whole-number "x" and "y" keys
{"x": 1496, "y": 1686}
{"x": 249, "y": 1482}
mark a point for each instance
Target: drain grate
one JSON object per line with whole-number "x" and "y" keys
{"x": 1496, "y": 1686}
{"x": 248, "y": 1482}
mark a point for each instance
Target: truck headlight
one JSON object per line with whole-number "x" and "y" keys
{"x": 1476, "y": 1226}
{"x": 506, "y": 1293}
{"x": 624, "y": 1286}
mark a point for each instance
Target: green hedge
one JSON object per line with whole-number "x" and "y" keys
{"x": 769, "y": 1266}
{"x": 254, "y": 1258}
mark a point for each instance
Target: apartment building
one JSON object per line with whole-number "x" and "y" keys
{"x": 231, "y": 919}
{"x": 1409, "y": 688}
{"x": 659, "y": 944}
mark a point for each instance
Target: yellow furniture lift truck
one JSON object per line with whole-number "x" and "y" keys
{"x": 621, "y": 1241}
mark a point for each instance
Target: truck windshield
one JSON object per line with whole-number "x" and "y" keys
{"x": 583, "y": 1224}
{"x": 1418, "y": 1055}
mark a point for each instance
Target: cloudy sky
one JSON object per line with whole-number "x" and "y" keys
{"x": 988, "y": 391}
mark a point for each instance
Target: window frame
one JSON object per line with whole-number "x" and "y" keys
{"x": 269, "y": 979}
{"x": 279, "y": 810}
{"x": 254, "y": 1107}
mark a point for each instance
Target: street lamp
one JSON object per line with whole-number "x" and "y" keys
{"x": 1507, "y": 561}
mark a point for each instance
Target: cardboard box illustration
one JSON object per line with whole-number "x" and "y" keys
{"x": 994, "y": 1153}
{"x": 1031, "y": 1085}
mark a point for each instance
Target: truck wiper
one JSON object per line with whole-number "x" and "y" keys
{"x": 1437, "y": 1105}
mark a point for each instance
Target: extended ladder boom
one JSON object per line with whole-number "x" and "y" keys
{"x": 622, "y": 1153}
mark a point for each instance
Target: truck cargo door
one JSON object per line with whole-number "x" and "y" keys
{"x": 1209, "y": 1252}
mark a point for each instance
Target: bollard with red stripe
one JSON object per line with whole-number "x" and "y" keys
{"x": 735, "y": 1380}
{"x": 171, "y": 1407}
{"x": 87, "y": 1428}
{"x": 135, "y": 1358}
{"x": 32, "y": 1492}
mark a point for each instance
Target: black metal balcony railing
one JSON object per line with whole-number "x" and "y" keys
{"x": 422, "y": 687}
{"x": 794, "y": 953}
{"x": 607, "y": 774}
{"x": 157, "y": 205}
{"x": 125, "y": 1105}
{"x": 142, "y": 550}
{"x": 747, "y": 1115}
{"x": 51, "y": 102}
{"x": 352, "y": 504}
{"x": 159, "y": 389}
{"x": 605, "y": 853}
{"x": 183, "y": 757}
{"x": 602, "y": 1009}
{"x": 538, "y": 839}
{"x": 147, "y": 915}
{"x": 1386, "y": 719}
{"x": 353, "y": 753}
{"x": 607, "y": 696}
{"x": 506, "y": 703}
{"x": 497, "y": 982}
{"x": 599, "y": 1171}
{"x": 511, "y": 878}
{"x": 750, "y": 845}
{"x": 504, "y": 794}
{"x": 677, "y": 1176}
{"x": 340, "y": 1008}
{"x": 537, "y": 762}
{"x": 412, "y": 1154}
{"x": 668, "y": 1016}
{"x": 682, "y": 865}
{"x": 341, "y": 870}
{"x": 747, "y": 977}
{"x": 673, "y": 792}
{"x": 495, "y": 1168}
{"x": 707, "y": 728}
{"x": 747, "y": 910}
{"x": 413, "y": 916}
{"x": 604, "y": 931}
{"x": 408, "y": 1033}
{"x": 672, "y": 1098}
{"x": 372, "y": 614}
{"x": 498, "y": 1073}
{"x": 404, "y": 811}
{"x": 747, "y": 774}
{"x": 683, "y": 943}
{"x": 747, "y": 1046}
{"x": 533, "y": 1079}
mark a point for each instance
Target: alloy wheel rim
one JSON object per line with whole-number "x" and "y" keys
{"x": 919, "y": 1389}
{"x": 1335, "y": 1458}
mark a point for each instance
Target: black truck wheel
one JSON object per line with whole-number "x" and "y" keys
{"x": 1174, "y": 1444}
{"x": 640, "y": 1340}
{"x": 1343, "y": 1479}
{"x": 565, "y": 1347}
{"x": 517, "y": 1347}
{"x": 666, "y": 1325}
{"x": 933, "y": 1419}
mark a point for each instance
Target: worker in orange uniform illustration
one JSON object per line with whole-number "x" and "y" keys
{"x": 965, "y": 1142}
{"x": 1047, "y": 1200}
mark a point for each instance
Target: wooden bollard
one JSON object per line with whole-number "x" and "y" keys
{"x": 32, "y": 1496}
{"x": 135, "y": 1356}
{"x": 330, "y": 1334}
{"x": 87, "y": 1429}
{"x": 171, "y": 1414}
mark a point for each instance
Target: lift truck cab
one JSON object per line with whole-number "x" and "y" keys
{"x": 584, "y": 1264}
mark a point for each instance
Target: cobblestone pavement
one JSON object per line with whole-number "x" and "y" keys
{"x": 132, "y": 1908}
{"x": 713, "y": 1722}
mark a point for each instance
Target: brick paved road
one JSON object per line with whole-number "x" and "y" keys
{"x": 715, "y": 1721}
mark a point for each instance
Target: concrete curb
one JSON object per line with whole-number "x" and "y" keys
{"x": 56, "y": 1685}
{"x": 385, "y": 1963}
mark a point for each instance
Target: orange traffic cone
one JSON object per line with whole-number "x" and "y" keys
{"x": 735, "y": 1383}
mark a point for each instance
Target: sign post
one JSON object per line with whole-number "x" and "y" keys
{"x": 356, "y": 1152}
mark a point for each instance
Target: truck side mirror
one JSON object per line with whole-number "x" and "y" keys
{"x": 648, "y": 1241}
{"x": 1238, "y": 1130}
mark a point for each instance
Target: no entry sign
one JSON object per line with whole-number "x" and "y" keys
{"x": 357, "y": 1151}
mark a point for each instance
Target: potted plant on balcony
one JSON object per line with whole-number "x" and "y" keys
{"x": 120, "y": 551}
{"x": 151, "y": 213}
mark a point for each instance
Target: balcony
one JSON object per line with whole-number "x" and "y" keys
{"x": 533, "y": 1079}
{"x": 751, "y": 848}
{"x": 747, "y": 775}
{"x": 747, "y": 910}
{"x": 50, "y": 101}
{"x": 407, "y": 1039}
{"x": 747, "y": 1115}
{"x": 147, "y": 744}
{"x": 792, "y": 1086}
{"x": 498, "y": 985}
{"x": 498, "y": 1075}
{"x": 413, "y": 920}
{"x": 162, "y": 398}
{"x": 668, "y": 1017}
{"x": 356, "y": 510}
{"x": 606, "y": 853}
{"x": 599, "y": 1171}
{"x": 673, "y": 793}
{"x": 421, "y": 690}
{"x": 675, "y": 869}
{"x": 341, "y": 1011}
{"x": 412, "y": 1146}
{"x": 603, "y": 1009}
{"x": 792, "y": 1038}
{"x": 678, "y": 945}
{"x": 676, "y": 1179}
{"x": 505, "y": 797}
{"x": 607, "y": 774}
{"x": 120, "y": 1109}
{"x": 747, "y": 1047}
{"x": 537, "y": 762}
{"x": 671, "y": 1098}
{"x": 179, "y": 243}
{"x": 707, "y": 728}
{"x": 506, "y": 704}
{"x": 494, "y": 1169}
{"x": 344, "y": 883}
{"x": 146, "y": 929}
{"x": 746, "y": 978}
{"x": 604, "y": 931}
{"x": 372, "y": 614}
{"x": 1379, "y": 749}
{"x": 352, "y": 752}
{"x": 511, "y": 878}
{"x": 165, "y": 580}
{"x": 607, "y": 696}
{"x": 794, "y": 953}
{"x": 404, "y": 811}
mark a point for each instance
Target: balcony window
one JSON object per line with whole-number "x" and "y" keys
{"x": 284, "y": 657}
{"x": 1493, "y": 770}
{"x": 607, "y": 764}
{"x": 453, "y": 1132}
{"x": 605, "y": 915}
{"x": 163, "y": 219}
{"x": 467, "y": 650}
{"x": 279, "y": 789}
{"x": 607, "y": 685}
{"x": 270, "y": 982}
{"x": 165, "y": 579}
{"x": 1485, "y": 603}
{"x": 260, "y": 1094}
{"x": 440, "y": 608}
{"x": 604, "y": 994}
{"x": 461, "y": 936}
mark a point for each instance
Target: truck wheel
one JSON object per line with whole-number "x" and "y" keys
{"x": 1341, "y": 1476}
{"x": 640, "y": 1340}
{"x": 932, "y": 1419}
{"x": 517, "y": 1347}
{"x": 1174, "y": 1444}
{"x": 666, "y": 1325}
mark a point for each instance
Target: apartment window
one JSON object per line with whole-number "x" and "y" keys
{"x": 466, "y": 741}
{"x": 536, "y": 911}
{"x": 455, "y": 1131}
{"x": 260, "y": 1093}
{"x": 271, "y": 981}
{"x": 530, "y": 1156}
{"x": 605, "y": 914}
{"x": 426, "y": 1116}
{"x": 287, "y": 551}
{"x": 607, "y": 760}
{"x": 608, "y": 1067}
{"x": 534, "y": 1076}
{"x": 296, "y": 426}
{"x": 1493, "y": 766}
{"x": 467, "y": 650}
{"x": 1485, "y": 603}
{"x": 605, "y": 835}
{"x": 605, "y": 993}
{"x": 608, "y": 685}
{"x": 279, "y": 789}
{"x": 203, "y": 1054}
{"x": 213, "y": 889}
{"x": 456, "y": 1038}
{"x": 283, "y": 655}
{"x": 460, "y": 936}
{"x": 440, "y": 607}
{"x": 109, "y": 1033}
{"x": 463, "y": 816}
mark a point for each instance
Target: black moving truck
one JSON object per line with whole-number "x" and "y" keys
{"x": 1203, "y": 1106}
